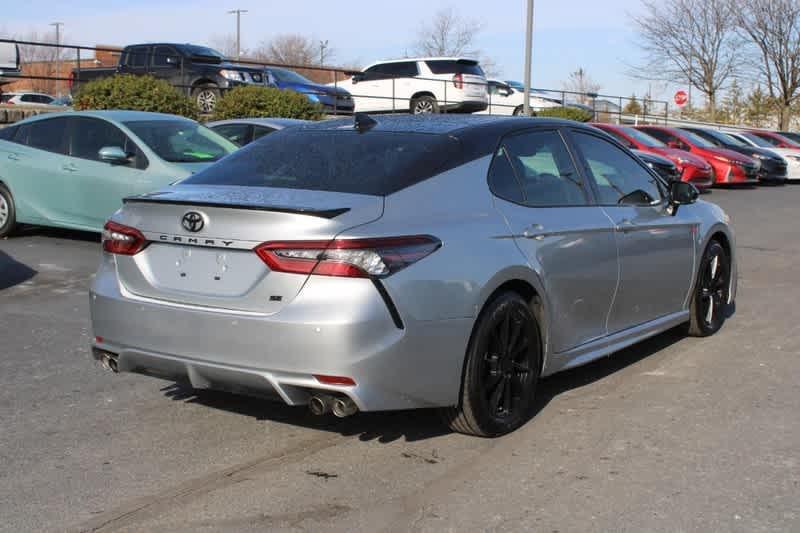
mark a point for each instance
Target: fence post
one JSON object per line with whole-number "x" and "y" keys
{"x": 444, "y": 108}
{"x": 336, "y": 93}
{"x": 393, "y": 95}
{"x": 619, "y": 117}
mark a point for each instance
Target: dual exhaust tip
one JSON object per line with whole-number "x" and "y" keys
{"x": 340, "y": 406}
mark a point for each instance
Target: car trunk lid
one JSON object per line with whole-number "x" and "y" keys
{"x": 208, "y": 260}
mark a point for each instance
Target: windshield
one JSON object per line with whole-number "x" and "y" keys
{"x": 181, "y": 141}
{"x": 758, "y": 141}
{"x": 374, "y": 163}
{"x": 289, "y": 76}
{"x": 697, "y": 140}
{"x": 195, "y": 50}
{"x": 643, "y": 138}
{"x": 727, "y": 139}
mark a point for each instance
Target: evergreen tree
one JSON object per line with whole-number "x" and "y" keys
{"x": 633, "y": 107}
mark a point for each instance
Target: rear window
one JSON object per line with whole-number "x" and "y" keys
{"x": 374, "y": 163}
{"x": 449, "y": 66}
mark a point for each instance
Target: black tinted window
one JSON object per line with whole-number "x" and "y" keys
{"x": 619, "y": 177}
{"x": 137, "y": 56}
{"x": 449, "y": 66}
{"x": 544, "y": 168}
{"x": 89, "y": 135}
{"x": 49, "y": 134}
{"x": 260, "y": 131}
{"x": 502, "y": 179}
{"x": 406, "y": 69}
{"x": 236, "y": 133}
{"x": 662, "y": 136}
{"x": 375, "y": 163}
{"x": 161, "y": 54}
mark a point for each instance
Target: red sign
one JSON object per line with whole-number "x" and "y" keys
{"x": 681, "y": 98}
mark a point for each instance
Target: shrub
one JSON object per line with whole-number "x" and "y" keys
{"x": 252, "y": 102}
{"x": 569, "y": 113}
{"x": 136, "y": 93}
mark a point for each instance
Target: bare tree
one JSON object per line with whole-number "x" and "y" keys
{"x": 40, "y": 62}
{"x": 290, "y": 49}
{"x": 448, "y": 34}
{"x": 580, "y": 82}
{"x": 773, "y": 26}
{"x": 690, "y": 41}
{"x": 226, "y": 44}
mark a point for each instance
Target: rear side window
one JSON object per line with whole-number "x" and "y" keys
{"x": 375, "y": 163}
{"x": 260, "y": 131}
{"x": 406, "y": 69}
{"x": 543, "y": 169}
{"x": 240, "y": 134}
{"x": 137, "y": 57}
{"x": 451, "y": 66}
{"x": 49, "y": 135}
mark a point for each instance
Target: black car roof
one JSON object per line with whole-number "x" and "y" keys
{"x": 478, "y": 132}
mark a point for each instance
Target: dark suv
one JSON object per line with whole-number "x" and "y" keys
{"x": 201, "y": 71}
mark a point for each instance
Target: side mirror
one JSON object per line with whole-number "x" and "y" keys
{"x": 113, "y": 155}
{"x": 682, "y": 193}
{"x": 357, "y": 77}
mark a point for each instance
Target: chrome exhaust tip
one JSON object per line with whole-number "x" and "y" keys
{"x": 320, "y": 404}
{"x": 106, "y": 359}
{"x": 344, "y": 407}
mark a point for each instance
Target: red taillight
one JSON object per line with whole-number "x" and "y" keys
{"x": 335, "y": 380}
{"x": 351, "y": 258}
{"x": 122, "y": 240}
{"x": 458, "y": 81}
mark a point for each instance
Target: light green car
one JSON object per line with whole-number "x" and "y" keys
{"x": 73, "y": 169}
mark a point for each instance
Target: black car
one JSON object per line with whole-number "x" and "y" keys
{"x": 773, "y": 167}
{"x": 663, "y": 166}
{"x": 202, "y": 72}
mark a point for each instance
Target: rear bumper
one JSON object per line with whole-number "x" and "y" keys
{"x": 335, "y": 326}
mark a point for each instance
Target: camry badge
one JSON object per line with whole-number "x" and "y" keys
{"x": 193, "y": 221}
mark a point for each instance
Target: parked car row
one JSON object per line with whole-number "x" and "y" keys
{"x": 706, "y": 156}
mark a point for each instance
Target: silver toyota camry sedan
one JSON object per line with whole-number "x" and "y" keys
{"x": 406, "y": 262}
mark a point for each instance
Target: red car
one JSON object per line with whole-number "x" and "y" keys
{"x": 729, "y": 166}
{"x": 775, "y": 139}
{"x": 693, "y": 169}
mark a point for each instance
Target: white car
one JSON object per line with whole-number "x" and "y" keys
{"x": 505, "y": 100}
{"x": 791, "y": 155}
{"x": 419, "y": 85}
{"x": 26, "y": 99}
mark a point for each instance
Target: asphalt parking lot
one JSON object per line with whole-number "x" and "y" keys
{"x": 676, "y": 434}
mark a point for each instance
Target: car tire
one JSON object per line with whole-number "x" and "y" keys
{"x": 709, "y": 306}
{"x": 206, "y": 97}
{"x": 8, "y": 213}
{"x": 423, "y": 105}
{"x": 498, "y": 388}
{"x": 519, "y": 111}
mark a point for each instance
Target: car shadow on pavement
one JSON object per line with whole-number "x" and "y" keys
{"x": 57, "y": 233}
{"x": 415, "y": 425}
{"x": 12, "y": 272}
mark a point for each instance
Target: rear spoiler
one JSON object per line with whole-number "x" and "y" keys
{"x": 321, "y": 213}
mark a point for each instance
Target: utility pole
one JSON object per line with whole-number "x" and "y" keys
{"x": 238, "y": 13}
{"x": 322, "y": 46}
{"x": 526, "y": 105}
{"x": 58, "y": 55}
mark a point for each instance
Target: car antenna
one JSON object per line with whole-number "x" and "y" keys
{"x": 363, "y": 122}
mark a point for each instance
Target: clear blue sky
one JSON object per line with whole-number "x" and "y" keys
{"x": 569, "y": 34}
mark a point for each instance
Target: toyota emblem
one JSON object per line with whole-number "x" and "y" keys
{"x": 193, "y": 221}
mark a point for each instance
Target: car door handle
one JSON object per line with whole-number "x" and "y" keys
{"x": 534, "y": 231}
{"x": 626, "y": 226}
{"x": 13, "y": 157}
{"x": 69, "y": 167}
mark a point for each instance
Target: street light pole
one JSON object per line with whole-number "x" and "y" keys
{"x": 528, "y": 53}
{"x": 322, "y": 46}
{"x": 238, "y": 13}
{"x": 58, "y": 55}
